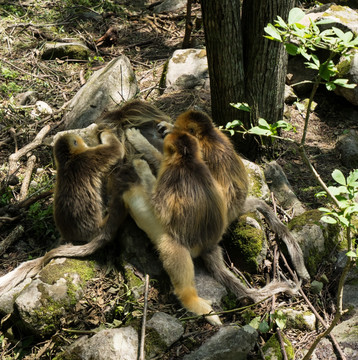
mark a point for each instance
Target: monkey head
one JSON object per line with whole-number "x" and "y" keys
{"x": 67, "y": 146}
{"x": 181, "y": 144}
{"x": 195, "y": 123}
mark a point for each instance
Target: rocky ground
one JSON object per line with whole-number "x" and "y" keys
{"x": 148, "y": 40}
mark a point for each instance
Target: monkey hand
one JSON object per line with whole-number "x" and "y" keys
{"x": 164, "y": 128}
{"x": 145, "y": 174}
{"x": 106, "y": 136}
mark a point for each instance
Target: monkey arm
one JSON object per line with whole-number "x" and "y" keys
{"x": 143, "y": 146}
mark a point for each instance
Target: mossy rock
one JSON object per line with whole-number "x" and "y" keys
{"x": 246, "y": 244}
{"x": 272, "y": 349}
{"x": 316, "y": 238}
{"x": 43, "y": 303}
{"x": 77, "y": 51}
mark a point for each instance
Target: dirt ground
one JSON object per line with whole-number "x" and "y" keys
{"x": 148, "y": 41}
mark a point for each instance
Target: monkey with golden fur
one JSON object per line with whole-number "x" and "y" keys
{"x": 78, "y": 201}
{"x": 188, "y": 214}
{"x": 228, "y": 169}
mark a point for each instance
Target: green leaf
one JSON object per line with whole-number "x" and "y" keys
{"x": 264, "y": 327}
{"x": 281, "y": 22}
{"x": 291, "y": 49}
{"x": 338, "y": 32}
{"x": 259, "y": 131}
{"x": 255, "y": 322}
{"x": 330, "y": 86}
{"x": 241, "y": 106}
{"x": 273, "y": 32}
{"x": 323, "y": 209}
{"x": 329, "y": 220}
{"x": 351, "y": 254}
{"x": 295, "y": 16}
{"x": 352, "y": 177}
{"x": 338, "y": 176}
{"x": 281, "y": 322}
{"x": 264, "y": 124}
{"x": 325, "y": 22}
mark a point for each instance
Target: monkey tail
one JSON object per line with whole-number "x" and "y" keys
{"x": 283, "y": 233}
{"x": 214, "y": 262}
{"x": 31, "y": 268}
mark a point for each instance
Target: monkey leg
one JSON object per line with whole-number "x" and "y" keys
{"x": 214, "y": 262}
{"x": 143, "y": 146}
{"x": 179, "y": 265}
{"x": 283, "y": 233}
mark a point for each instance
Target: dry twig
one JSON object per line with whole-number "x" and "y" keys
{"x": 26, "y": 182}
{"x": 141, "y": 355}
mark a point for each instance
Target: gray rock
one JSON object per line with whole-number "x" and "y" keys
{"x": 187, "y": 69}
{"x": 7, "y": 300}
{"x": 111, "y": 344}
{"x": 229, "y": 343}
{"x": 258, "y": 186}
{"x": 347, "y": 336}
{"x": 27, "y": 98}
{"x": 208, "y": 288}
{"x": 169, "y": 5}
{"x": 349, "y": 70}
{"x": 168, "y": 327}
{"x": 75, "y": 50}
{"x": 290, "y": 95}
{"x": 347, "y": 145}
{"x": 106, "y": 88}
{"x": 281, "y": 188}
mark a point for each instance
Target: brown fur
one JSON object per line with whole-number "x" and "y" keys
{"x": 229, "y": 171}
{"x": 78, "y": 201}
{"x": 187, "y": 199}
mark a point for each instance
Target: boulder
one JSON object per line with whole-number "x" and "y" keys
{"x": 187, "y": 69}
{"x": 105, "y": 89}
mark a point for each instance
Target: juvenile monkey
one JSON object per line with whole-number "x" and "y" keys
{"x": 189, "y": 206}
{"x": 78, "y": 201}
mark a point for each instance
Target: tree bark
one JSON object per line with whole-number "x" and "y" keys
{"x": 265, "y": 61}
{"x": 221, "y": 20}
{"x": 243, "y": 65}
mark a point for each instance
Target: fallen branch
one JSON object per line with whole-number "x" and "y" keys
{"x": 26, "y": 182}
{"x": 141, "y": 355}
{"x": 11, "y": 238}
{"x": 13, "y": 158}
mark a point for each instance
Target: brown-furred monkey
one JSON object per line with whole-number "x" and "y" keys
{"x": 78, "y": 201}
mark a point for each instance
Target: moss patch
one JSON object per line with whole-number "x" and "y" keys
{"x": 245, "y": 244}
{"x": 272, "y": 349}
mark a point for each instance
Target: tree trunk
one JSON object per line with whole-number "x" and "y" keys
{"x": 265, "y": 61}
{"x": 243, "y": 65}
{"x": 221, "y": 20}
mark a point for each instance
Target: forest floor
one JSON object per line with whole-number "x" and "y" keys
{"x": 148, "y": 41}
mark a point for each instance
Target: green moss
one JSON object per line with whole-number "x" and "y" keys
{"x": 272, "y": 349}
{"x": 244, "y": 242}
{"x": 67, "y": 51}
{"x": 85, "y": 269}
{"x": 229, "y": 301}
{"x": 163, "y": 77}
{"x": 331, "y": 235}
{"x": 153, "y": 343}
{"x": 46, "y": 318}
